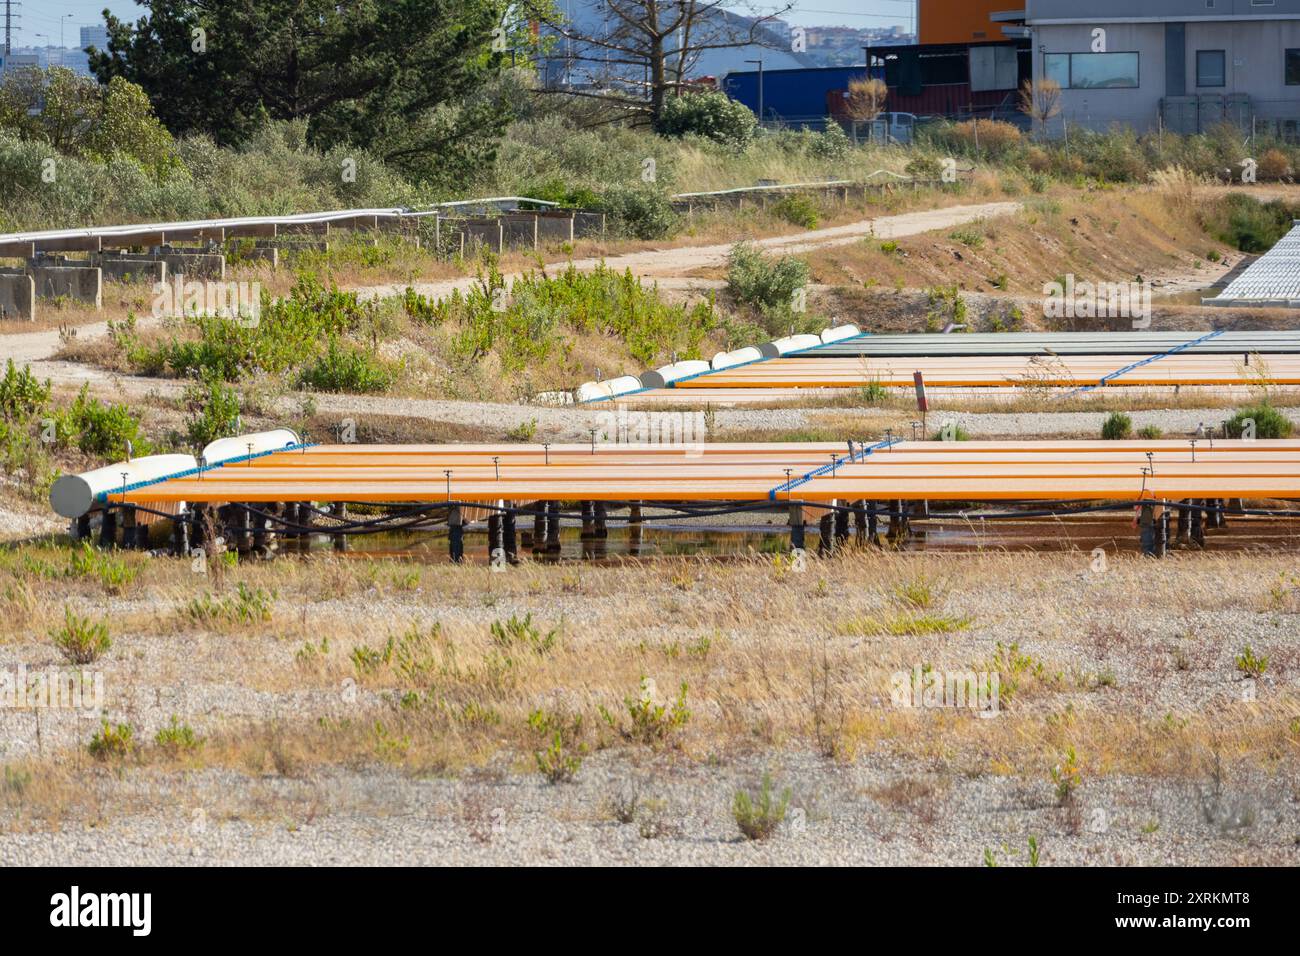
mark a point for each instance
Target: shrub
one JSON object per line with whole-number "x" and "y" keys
{"x": 103, "y": 430}
{"x": 1150, "y": 432}
{"x": 1274, "y": 164}
{"x": 112, "y": 742}
{"x": 651, "y": 723}
{"x": 21, "y": 393}
{"x": 523, "y": 634}
{"x": 638, "y": 212}
{"x": 177, "y": 738}
{"x": 831, "y": 143}
{"x": 1117, "y": 427}
{"x": 562, "y": 754}
{"x": 79, "y": 640}
{"x": 758, "y": 815}
{"x": 1251, "y": 664}
{"x": 713, "y": 115}
{"x": 766, "y": 284}
{"x": 212, "y": 411}
{"x": 797, "y": 210}
{"x": 1248, "y": 225}
{"x": 1268, "y": 422}
{"x": 346, "y": 369}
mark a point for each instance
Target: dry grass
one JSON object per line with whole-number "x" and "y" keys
{"x": 382, "y": 672}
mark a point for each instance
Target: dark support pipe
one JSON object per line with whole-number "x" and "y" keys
{"x": 1198, "y": 523}
{"x": 1162, "y": 534}
{"x": 588, "y": 521}
{"x": 509, "y": 540}
{"x": 860, "y": 521}
{"x": 340, "y": 510}
{"x": 841, "y": 525}
{"x": 602, "y": 517}
{"x": 826, "y": 533}
{"x": 1147, "y": 530}
{"x": 552, "y": 527}
{"x": 796, "y": 528}
{"x": 634, "y": 528}
{"x": 1183, "y": 533}
{"x": 539, "y": 526}
{"x": 128, "y": 527}
{"x": 199, "y": 526}
{"x": 873, "y": 524}
{"x": 181, "y": 532}
{"x": 83, "y": 527}
{"x": 496, "y": 548}
{"x": 108, "y": 529}
{"x": 259, "y": 524}
{"x": 455, "y": 535}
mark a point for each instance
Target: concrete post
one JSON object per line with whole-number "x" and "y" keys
{"x": 602, "y": 517}
{"x": 634, "y": 528}
{"x": 588, "y": 521}
{"x": 108, "y": 529}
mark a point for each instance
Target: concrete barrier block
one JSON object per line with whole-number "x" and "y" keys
{"x": 128, "y": 268}
{"x": 195, "y": 265}
{"x": 586, "y": 224}
{"x": 552, "y": 227}
{"x": 17, "y": 296}
{"x": 519, "y": 231}
{"x": 80, "y": 284}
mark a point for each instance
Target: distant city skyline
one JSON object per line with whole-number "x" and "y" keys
{"x": 45, "y": 18}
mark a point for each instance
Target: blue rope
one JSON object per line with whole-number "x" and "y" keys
{"x": 830, "y": 468}
{"x": 1146, "y": 361}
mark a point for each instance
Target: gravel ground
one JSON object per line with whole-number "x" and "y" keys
{"x": 878, "y": 812}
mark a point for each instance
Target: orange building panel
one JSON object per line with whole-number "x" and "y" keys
{"x": 960, "y": 21}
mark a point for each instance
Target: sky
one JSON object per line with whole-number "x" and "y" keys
{"x": 43, "y": 16}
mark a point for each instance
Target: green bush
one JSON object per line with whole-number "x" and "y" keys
{"x": 1269, "y": 422}
{"x": 112, "y": 742}
{"x": 21, "y": 393}
{"x": 346, "y": 369}
{"x": 1116, "y": 427}
{"x": 797, "y": 210}
{"x": 713, "y": 115}
{"x": 758, "y": 815}
{"x": 213, "y": 412}
{"x": 80, "y": 640}
{"x": 1249, "y": 225}
{"x": 540, "y": 308}
{"x": 103, "y": 430}
{"x": 638, "y": 212}
{"x": 765, "y": 284}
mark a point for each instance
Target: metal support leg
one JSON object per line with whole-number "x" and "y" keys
{"x": 340, "y": 510}
{"x": 634, "y": 528}
{"x": 552, "y": 527}
{"x": 841, "y": 525}
{"x": 1198, "y": 523}
{"x": 1147, "y": 530}
{"x": 796, "y": 528}
{"x": 509, "y": 540}
{"x": 455, "y": 535}
{"x": 108, "y": 529}
{"x": 602, "y": 517}
{"x": 588, "y": 521}
{"x": 826, "y": 533}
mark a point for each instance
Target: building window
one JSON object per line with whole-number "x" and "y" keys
{"x": 1092, "y": 71}
{"x": 1211, "y": 68}
{"x": 1293, "y": 67}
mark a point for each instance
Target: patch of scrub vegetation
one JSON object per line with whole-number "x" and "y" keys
{"x": 531, "y": 323}
{"x": 37, "y": 435}
{"x": 770, "y": 286}
{"x": 300, "y": 331}
{"x": 1265, "y": 420}
{"x": 1249, "y": 225}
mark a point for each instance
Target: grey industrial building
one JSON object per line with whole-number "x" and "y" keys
{"x": 1190, "y": 65}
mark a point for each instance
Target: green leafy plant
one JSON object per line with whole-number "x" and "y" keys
{"x": 758, "y": 815}
{"x": 80, "y": 640}
{"x": 1117, "y": 427}
{"x": 112, "y": 742}
{"x": 177, "y": 738}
